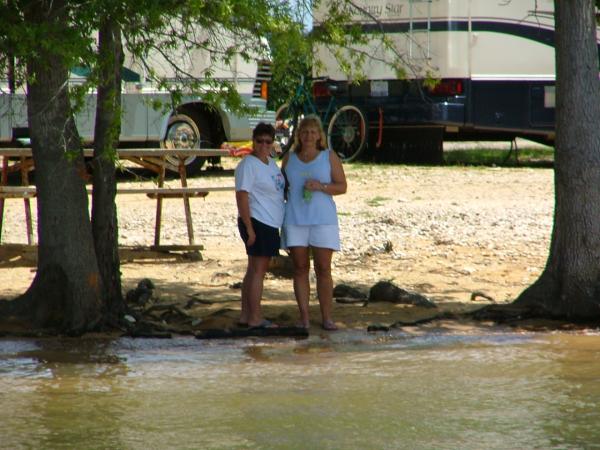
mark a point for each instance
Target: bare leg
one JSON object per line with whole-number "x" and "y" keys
{"x": 322, "y": 258}
{"x": 244, "y": 313}
{"x": 301, "y": 262}
{"x": 252, "y": 289}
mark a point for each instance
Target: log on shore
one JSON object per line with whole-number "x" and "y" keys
{"x": 218, "y": 333}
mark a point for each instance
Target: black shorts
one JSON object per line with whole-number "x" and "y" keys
{"x": 267, "y": 239}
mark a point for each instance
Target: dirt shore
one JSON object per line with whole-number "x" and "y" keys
{"x": 443, "y": 232}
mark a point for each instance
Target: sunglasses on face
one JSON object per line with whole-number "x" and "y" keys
{"x": 264, "y": 141}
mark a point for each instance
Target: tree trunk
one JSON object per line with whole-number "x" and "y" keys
{"x": 569, "y": 287}
{"x": 107, "y": 129}
{"x": 66, "y": 291}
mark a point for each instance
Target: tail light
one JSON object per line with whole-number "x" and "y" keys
{"x": 264, "y": 90}
{"x": 321, "y": 89}
{"x": 448, "y": 88}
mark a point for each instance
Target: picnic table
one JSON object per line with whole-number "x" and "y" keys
{"x": 157, "y": 159}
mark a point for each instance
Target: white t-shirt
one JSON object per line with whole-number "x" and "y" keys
{"x": 264, "y": 184}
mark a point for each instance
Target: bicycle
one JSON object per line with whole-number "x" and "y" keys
{"x": 346, "y": 126}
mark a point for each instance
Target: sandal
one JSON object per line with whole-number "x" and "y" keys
{"x": 329, "y": 325}
{"x": 304, "y": 326}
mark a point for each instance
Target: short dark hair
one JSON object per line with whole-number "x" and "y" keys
{"x": 263, "y": 129}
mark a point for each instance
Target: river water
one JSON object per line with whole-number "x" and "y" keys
{"x": 343, "y": 390}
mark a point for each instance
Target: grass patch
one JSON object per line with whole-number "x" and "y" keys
{"x": 535, "y": 156}
{"x": 377, "y": 201}
{"x": 528, "y": 157}
{"x": 367, "y": 164}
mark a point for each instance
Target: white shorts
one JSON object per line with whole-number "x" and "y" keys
{"x": 322, "y": 236}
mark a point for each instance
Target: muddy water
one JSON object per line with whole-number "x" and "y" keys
{"x": 477, "y": 390}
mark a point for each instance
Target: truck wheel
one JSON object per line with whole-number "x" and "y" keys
{"x": 185, "y": 132}
{"x": 347, "y": 133}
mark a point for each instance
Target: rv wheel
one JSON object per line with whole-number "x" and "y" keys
{"x": 185, "y": 132}
{"x": 347, "y": 133}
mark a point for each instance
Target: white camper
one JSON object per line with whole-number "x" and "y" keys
{"x": 192, "y": 123}
{"x": 494, "y": 61}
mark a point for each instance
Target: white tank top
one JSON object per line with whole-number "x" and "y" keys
{"x": 320, "y": 208}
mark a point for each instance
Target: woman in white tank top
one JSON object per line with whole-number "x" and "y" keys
{"x": 315, "y": 174}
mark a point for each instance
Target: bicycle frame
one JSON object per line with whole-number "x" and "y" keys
{"x": 303, "y": 102}
{"x": 345, "y": 127}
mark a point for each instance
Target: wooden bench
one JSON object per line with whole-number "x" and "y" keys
{"x": 185, "y": 193}
{"x": 157, "y": 156}
{"x": 156, "y": 193}
{"x": 17, "y": 192}
{"x": 24, "y": 165}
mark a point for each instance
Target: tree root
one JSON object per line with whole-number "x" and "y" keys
{"x": 529, "y": 316}
{"x": 507, "y": 314}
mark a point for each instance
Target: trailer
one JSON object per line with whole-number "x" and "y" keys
{"x": 149, "y": 117}
{"x": 493, "y": 61}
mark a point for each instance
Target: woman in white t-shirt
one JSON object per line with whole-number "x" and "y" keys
{"x": 259, "y": 188}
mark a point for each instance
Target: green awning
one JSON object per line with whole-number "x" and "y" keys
{"x": 127, "y": 75}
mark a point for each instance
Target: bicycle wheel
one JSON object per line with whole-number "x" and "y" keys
{"x": 347, "y": 133}
{"x": 286, "y": 121}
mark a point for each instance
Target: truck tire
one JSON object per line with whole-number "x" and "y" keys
{"x": 187, "y": 131}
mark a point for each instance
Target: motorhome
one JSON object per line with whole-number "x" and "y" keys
{"x": 192, "y": 123}
{"x": 493, "y": 62}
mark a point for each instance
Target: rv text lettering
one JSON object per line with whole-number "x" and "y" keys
{"x": 393, "y": 9}
{"x": 373, "y": 10}
{"x": 367, "y": 11}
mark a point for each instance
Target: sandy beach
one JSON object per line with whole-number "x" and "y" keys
{"x": 444, "y": 232}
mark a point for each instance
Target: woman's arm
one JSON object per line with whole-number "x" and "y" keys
{"x": 338, "y": 183}
{"x": 243, "y": 205}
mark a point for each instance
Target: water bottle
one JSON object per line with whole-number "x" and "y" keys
{"x": 306, "y": 195}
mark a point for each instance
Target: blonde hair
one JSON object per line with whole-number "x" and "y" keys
{"x": 310, "y": 121}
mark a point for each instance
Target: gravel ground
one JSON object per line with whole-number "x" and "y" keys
{"x": 442, "y": 231}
